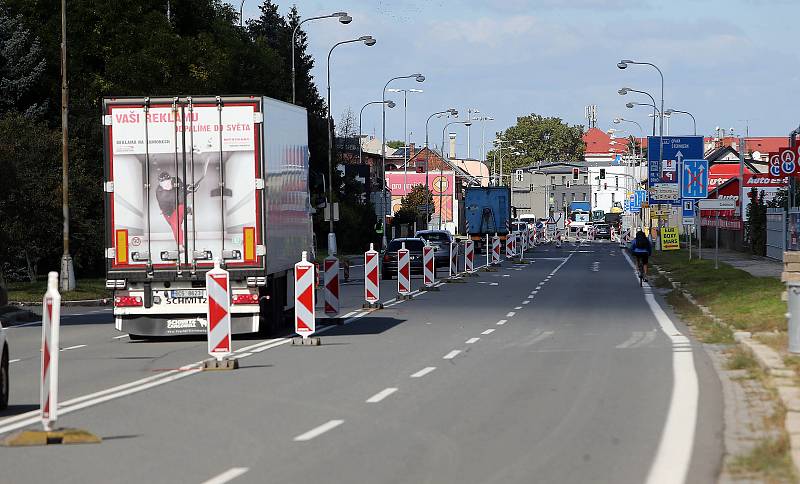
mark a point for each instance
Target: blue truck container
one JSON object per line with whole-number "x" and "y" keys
{"x": 487, "y": 211}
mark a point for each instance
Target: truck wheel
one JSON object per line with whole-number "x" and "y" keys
{"x": 4, "y": 379}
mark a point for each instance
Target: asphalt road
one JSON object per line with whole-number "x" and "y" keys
{"x": 562, "y": 370}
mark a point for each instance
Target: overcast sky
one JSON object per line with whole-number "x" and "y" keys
{"x": 729, "y": 62}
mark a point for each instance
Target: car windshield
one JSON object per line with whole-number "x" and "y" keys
{"x": 435, "y": 236}
{"x": 411, "y": 244}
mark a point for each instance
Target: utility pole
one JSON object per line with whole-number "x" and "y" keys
{"x": 67, "y": 281}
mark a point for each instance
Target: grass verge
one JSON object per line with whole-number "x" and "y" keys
{"x": 746, "y": 302}
{"x": 703, "y": 327}
{"x": 769, "y": 460}
{"x": 34, "y": 291}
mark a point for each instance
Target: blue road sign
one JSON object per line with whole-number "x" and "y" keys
{"x": 694, "y": 179}
{"x": 637, "y": 198}
{"x": 688, "y": 208}
{"x": 663, "y": 177}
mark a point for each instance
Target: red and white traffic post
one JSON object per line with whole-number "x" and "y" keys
{"x": 305, "y": 301}
{"x": 51, "y": 320}
{"x": 532, "y": 238}
{"x": 331, "y": 283}
{"x": 495, "y": 250}
{"x": 403, "y": 273}
{"x": 453, "y": 272}
{"x": 219, "y": 318}
{"x": 469, "y": 257}
{"x": 428, "y": 268}
{"x": 372, "y": 289}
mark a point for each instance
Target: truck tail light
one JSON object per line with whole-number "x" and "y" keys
{"x": 122, "y": 246}
{"x": 128, "y": 301}
{"x": 245, "y": 299}
{"x": 249, "y": 243}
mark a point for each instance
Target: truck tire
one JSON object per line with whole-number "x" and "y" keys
{"x": 4, "y": 379}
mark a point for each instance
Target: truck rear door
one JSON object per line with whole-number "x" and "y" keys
{"x": 184, "y": 185}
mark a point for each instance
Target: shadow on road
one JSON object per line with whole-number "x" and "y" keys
{"x": 365, "y": 325}
{"x": 12, "y": 410}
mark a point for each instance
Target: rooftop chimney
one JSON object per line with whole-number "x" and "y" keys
{"x": 452, "y": 146}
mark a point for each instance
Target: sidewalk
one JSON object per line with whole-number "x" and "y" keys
{"x": 754, "y": 264}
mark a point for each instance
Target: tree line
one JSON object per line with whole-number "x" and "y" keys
{"x": 121, "y": 48}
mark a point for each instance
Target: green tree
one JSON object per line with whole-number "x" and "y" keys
{"x": 22, "y": 67}
{"x": 544, "y": 139}
{"x": 757, "y": 222}
{"x": 395, "y": 144}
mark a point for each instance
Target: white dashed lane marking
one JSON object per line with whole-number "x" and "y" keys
{"x": 451, "y": 355}
{"x": 472, "y": 340}
{"x": 381, "y": 395}
{"x": 423, "y": 372}
{"x": 488, "y": 331}
{"x": 317, "y": 431}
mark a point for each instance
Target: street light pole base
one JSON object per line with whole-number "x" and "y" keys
{"x": 331, "y": 244}
{"x": 67, "y": 276}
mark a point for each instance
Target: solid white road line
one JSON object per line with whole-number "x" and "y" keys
{"x": 228, "y": 475}
{"x": 502, "y": 322}
{"x": 316, "y": 432}
{"x": 451, "y": 355}
{"x": 73, "y": 347}
{"x": 120, "y": 337}
{"x": 381, "y": 395}
{"x": 14, "y": 360}
{"x": 472, "y": 340}
{"x": 511, "y": 314}
{"x": 423, "y": 372}
{"x": 674, "y": 454}
{"x": 488, "y": 331}
{"x": 526, "y": 302}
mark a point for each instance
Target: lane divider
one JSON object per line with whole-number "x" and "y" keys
{"x": 423, "y": 372}
{"x": 381, "y": 395}
{"x": 228, "y": 475}
{"x": 317, "y": 431}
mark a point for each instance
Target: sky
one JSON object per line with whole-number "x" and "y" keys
{"x": 730, "y": 63}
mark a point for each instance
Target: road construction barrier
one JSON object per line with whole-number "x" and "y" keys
{"x": 51, "y": 319}
{"x": 428, "y": 266}
{"x": 372, "y": 290}
{"x": 219, "y": 311}
{"x": 469, "y": 256}
{"x": 523, "y": 241}
{"x": 532, "y": 238}
{"x": 509, "y": 245}
{"x": 331, "y": 265}
{"x": 305, "y": 298}
{"x": 495, "y": 250}
{"x": 403, "y": 272}
{"x": 453, "y": 259}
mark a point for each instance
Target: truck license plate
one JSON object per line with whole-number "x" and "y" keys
{"x": 183, "y": 293}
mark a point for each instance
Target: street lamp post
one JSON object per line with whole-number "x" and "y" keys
{"x": 626, "y": 90}
{"x": 419, "y": 78}
{"x": 405, "y": 130}
{"x": 668, "y": 112}
{"x": 360, "y": 133}
{"x": 449, "y": 112}
{"x": 483, "y": 120}
{"x": 470, "y": 112}
{"x": 441, "y": 167}
{"x": 368, "y": 41}
{"x": 343, "y": 18}
{"x": 67, "y": 269}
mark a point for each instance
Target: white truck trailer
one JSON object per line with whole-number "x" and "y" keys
{"x": 194, "y": 180}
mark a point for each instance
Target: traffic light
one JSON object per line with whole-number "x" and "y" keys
{"x": 575, "y": 172}
{"x": 602, "y": 173}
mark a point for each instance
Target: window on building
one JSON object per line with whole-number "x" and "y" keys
{"x": 583, "y": 196}
{"x": 573, "y": 196}
{"x": 563, "y": 179}
{"x": 585, "y": 179}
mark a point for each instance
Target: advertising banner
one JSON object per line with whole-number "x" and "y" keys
{"x": 669, "y": 238}
{"x": 442, "y": 186}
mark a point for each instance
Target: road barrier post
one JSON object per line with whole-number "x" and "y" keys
{"x": 403, "y": 273}
{"x": 372, "y": 289}
{"x": 453, "y": 271}
{"x": 331, "y": 283}
{"x": 469, "y": 258}
{"x": 509, "y": 246}
{"x": 219, "y": 320}
{"x": 495, "y": 250}
{"x": 428, "y": 268}
{"x": 532, "y": 238}
{"x": 305, "y": 300}
{"x": 48, "y": 383}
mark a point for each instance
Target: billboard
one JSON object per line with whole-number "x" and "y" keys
{"x": 441, "y": 184}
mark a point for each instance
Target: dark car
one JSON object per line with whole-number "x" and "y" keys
{"x": 389, "y": 260}
{"x": 602, "y": 231}
{"x": 440, "y": 240}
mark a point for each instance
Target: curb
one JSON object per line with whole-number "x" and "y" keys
{"x": 79, "y": 302}
{"x": 781, "y": 378}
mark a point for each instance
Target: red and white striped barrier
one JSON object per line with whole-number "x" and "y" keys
{"x": 305, "y": 323}
{"x": 372, "y": 290}
{"x": 469, "y": 256}
{"x": 219, "y": 312}
{"x": 532, "y": 238}
{"x": 428, "y": 266}
{"x": 523, "y": 241}
{"x": 403, "y": 271}
{"x": 331, "y": 286}
{"x": 453, "y": 259}
{"x": 495, "y": 249}
{"x": 51, "y": 319}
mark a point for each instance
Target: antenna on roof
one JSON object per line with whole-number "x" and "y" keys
{"x": 590, "y": 113}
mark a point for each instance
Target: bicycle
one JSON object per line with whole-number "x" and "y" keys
{"x": 640, "y": 268}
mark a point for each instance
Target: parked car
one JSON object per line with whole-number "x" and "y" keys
{"x": 602, "y": 231}
{"x": 440, "y": 240}
{"x": 389, "y": 259}
{"x": 4, "y": 378}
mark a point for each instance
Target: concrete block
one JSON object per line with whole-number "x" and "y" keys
{"x": 791, "y": 266}
{"x": 790, "y": 276}
{"x": 739, "y": 336}
{"x": 790, "y": 395}
{"x": 791, "y": 256}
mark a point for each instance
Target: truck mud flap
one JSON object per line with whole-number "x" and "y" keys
{"x": 181, "y": 324}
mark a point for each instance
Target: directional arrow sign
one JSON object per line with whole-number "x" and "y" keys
{"x": 717, "y": 204}
{"x": 694, "y": 183}
{"x": 663, "y": 177}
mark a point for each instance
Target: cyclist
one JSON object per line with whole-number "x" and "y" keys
{"x": 642, "y": 249}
